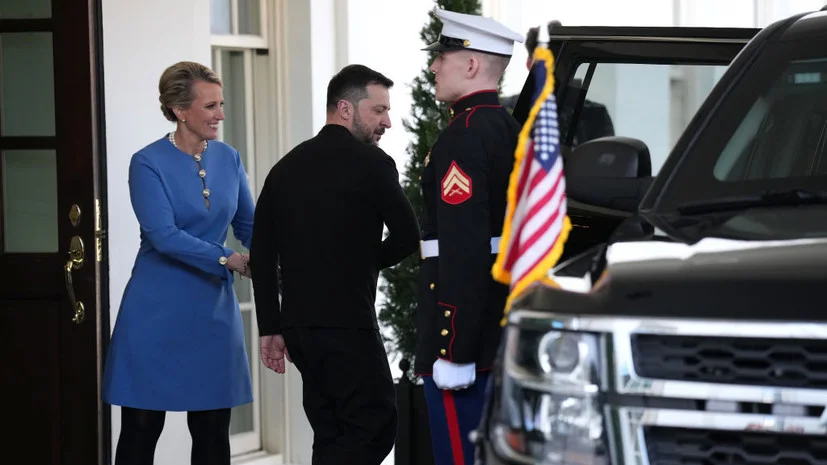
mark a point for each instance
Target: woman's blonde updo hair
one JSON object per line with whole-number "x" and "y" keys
{"x": 177, "y": 85}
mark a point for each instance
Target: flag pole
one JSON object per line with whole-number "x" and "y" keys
{"x": 543, "y": 37}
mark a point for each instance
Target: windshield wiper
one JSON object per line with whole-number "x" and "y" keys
{"x": 787, "y": 197}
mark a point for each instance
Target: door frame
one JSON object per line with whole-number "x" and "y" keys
{"x": 105, "y": 452}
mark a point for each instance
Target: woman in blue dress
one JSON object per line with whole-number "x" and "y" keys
{"x": 178, "y": 342}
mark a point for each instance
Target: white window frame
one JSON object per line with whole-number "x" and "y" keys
{"x": 236, "y": 40}
{"x": 243, "y": 444}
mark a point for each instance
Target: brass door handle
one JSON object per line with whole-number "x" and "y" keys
{"x": 74, "y": 262}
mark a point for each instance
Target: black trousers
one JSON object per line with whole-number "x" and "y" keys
{"x": 349, "y": 396}
{"x": 140, "y": 430}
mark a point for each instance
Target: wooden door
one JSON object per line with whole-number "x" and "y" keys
{"x": 49, "y": 204}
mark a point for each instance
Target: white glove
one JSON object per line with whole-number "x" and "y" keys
{"x": 454, "y": 376}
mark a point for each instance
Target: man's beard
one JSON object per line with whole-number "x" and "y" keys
{"x": 362, "y": 132}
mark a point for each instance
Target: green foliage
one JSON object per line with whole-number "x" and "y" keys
{"x": 427, "y": 119}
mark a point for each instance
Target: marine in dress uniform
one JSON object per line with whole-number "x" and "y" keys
{"x": 464, "y": 187}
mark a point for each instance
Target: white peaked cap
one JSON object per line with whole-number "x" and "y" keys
{"x": 462, "y": 31}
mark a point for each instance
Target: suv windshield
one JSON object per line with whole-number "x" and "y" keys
{"x": 763, "y": 154}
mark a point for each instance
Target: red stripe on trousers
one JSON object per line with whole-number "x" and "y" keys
{"x": 453, "y": 427}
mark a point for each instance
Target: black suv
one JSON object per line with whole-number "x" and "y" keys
{"x": 688, "y": 326}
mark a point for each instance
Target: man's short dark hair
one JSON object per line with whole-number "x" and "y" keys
{"x": 351, "y": 84}
{"x": 531, "y": 36}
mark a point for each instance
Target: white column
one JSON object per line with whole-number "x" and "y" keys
{"x": 312, "y": 47}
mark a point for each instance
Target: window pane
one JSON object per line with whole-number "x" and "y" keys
{"x": 27, "y": 97}
{"x": 25, "y": 9}
{"x": 650, "y": 102}
{"x": 241, "y": 418}
{"x": 220, "y": 19}
{"x": 784, "y": 133}
{"x": 249, "y": 17}
{"x": 235, "y": 105}
{"x": 29, "y": 201}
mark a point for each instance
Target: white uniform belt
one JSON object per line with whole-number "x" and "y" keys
{"x": 428, "y": 249}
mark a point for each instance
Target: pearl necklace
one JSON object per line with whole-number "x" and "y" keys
{"x": 202, "y": 173}
{"x": 172, "y": 139}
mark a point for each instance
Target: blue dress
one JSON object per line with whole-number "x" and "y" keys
{"x": 178, "y": 342}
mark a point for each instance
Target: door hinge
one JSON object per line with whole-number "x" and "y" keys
{"x": 100, "y": 234}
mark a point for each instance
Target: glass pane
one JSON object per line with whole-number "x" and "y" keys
{"x": 25, "y": 9}
{"x": 27, "y": 97}
{"x": 220, "y": 19}
{"x": 235, "y": 103}
{"x": 29, "y": 201}
{"x": 650, "y": 102}
{"x": 241, "y": 418}
{"x": 249, "y": 17}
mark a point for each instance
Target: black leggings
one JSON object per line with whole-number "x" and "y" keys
{"x": 140, "y": 430}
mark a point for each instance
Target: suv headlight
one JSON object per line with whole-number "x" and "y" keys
{"x": 550, "y": 404}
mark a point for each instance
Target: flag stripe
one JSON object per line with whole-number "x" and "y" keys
{"x": 513, "y": 245}
{"x": 533, "y": 256}
{"x": 537, "y": 224}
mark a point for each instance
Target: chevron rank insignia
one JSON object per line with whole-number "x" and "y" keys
{"x": 456, "y": 185}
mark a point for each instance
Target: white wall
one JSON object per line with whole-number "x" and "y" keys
{"x": 140, "y": 39}
{"x": 392, "y": 48}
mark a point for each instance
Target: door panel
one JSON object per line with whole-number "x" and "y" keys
{"x": 29, "y": 201}
{"x": 15, "y": 9}
{"x": 28, "y": 84}
{"x": 19, "y": 320}
{"x": 49, "y": 178}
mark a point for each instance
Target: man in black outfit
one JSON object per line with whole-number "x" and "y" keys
{"x": 318, "y": 227}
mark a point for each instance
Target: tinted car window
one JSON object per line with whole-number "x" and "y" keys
{"x": 784, "y": 132}
{"x": 768, "y": 133}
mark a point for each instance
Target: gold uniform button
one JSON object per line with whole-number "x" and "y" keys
{"x": 202, "y": 173}
{"x": 447, "y": 313}
{"x": 433, "y": 285}
{"x": 222, "y": 260}
{"x": 443, "y": 352}
{"x": 206, "y": 192}
{"x": 444, "y": 332}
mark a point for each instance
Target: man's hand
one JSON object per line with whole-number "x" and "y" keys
{"x": 246, "y": 273}
{"x": 273, "y": 352}
{"x": 238, "y": 262}
{"x": 454, "y": 376}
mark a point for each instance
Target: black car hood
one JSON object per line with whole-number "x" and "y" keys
{"x": 713, "y": 279}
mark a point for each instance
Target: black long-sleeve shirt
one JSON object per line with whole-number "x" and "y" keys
{"x": 320, "y": 216}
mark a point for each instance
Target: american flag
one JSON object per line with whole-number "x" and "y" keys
{"x": 536, "y": 224}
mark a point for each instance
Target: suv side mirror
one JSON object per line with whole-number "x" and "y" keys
{"x": 612, "y": 172}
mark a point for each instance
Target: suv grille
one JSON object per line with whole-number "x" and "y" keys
{"x": 797, "y": 363}
{"x": 679, "y": 446}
